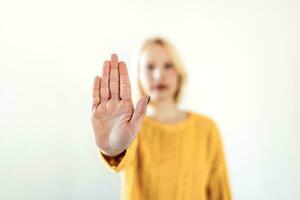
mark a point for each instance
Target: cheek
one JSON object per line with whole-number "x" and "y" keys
{"x": 145, "y": 80}
{"x": 173, "y": 80}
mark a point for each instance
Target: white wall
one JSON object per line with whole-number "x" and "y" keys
{"x": 243, "y": 63}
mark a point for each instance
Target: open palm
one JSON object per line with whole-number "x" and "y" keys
{"x": 115, "y": 122}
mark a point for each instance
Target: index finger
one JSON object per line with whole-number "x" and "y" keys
{"x": 125, "y": 87}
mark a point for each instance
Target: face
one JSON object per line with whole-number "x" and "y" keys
{"x": 158, "y": 76}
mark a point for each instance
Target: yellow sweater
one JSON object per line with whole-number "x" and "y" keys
{"x": 173, "y": 161}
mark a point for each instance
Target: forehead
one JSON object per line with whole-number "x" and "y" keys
{"x": 154, "y": 53}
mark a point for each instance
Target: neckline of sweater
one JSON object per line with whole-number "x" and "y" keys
{"x": 171, "y": 126}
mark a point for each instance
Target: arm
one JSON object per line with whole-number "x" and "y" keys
{"x": 121, "y": 161}
{"x": 218, "y": 184}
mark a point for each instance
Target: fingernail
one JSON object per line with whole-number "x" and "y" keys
{"x": 148, "y": 100}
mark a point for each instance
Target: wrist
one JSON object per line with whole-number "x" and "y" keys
{"x": 113, "y": 153}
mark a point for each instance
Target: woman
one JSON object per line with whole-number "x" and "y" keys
{"x": 168, "y": 153}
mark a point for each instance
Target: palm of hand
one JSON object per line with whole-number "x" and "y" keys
{"x": 114, "y": 120}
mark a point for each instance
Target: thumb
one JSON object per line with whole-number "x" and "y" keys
{"x": 140, "y": 110}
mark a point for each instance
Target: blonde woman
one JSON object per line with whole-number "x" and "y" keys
{"x": 168, "y": 153}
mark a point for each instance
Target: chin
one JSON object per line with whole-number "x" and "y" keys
{"x": 159, "y": 96}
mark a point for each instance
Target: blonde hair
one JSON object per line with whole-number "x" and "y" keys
{"x": 176, "y": 61}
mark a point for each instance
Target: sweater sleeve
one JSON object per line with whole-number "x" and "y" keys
{"x": 218, "y": 184}
{"x": 121, "y": 161}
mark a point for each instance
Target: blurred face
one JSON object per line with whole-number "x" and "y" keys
{"x": 158, "y": 76}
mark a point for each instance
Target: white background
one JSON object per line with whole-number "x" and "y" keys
{"x": 242, "y": 59}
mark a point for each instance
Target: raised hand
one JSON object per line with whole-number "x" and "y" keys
{"x": 114, "y": 120}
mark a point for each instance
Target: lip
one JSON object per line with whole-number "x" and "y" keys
{"x": 161, "y": 87}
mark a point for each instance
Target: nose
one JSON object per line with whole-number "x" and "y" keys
{"x": 158, "y": 74}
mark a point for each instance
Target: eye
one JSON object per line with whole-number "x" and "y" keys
{"x": 168, "y": 65}
{"x": 150, "y": 66}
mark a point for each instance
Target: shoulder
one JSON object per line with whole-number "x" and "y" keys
{"x": 207, "y": 125}
{"x": 204, "y": 120}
